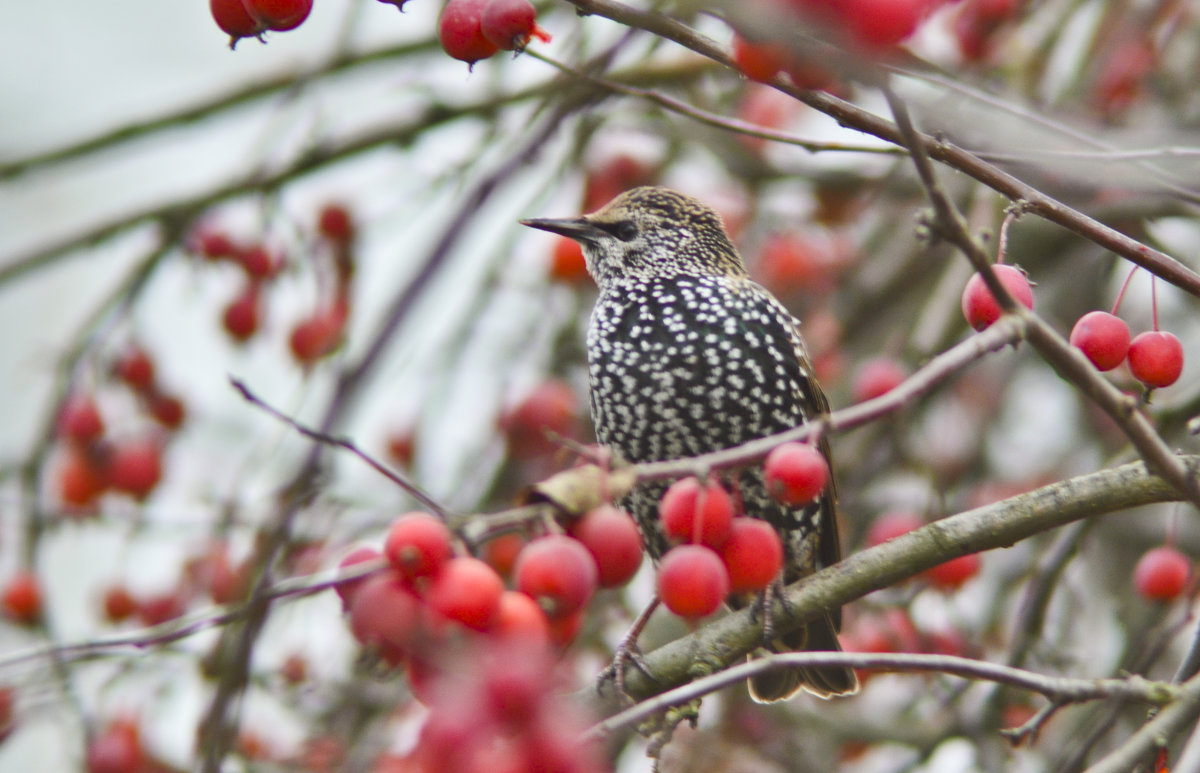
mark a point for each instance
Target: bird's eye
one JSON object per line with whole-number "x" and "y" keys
{"x": 625, "y": 231}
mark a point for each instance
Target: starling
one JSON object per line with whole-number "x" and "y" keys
{"x": 687, "y": 355}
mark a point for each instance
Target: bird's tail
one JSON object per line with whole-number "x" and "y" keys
{"x": 824, "y": 682}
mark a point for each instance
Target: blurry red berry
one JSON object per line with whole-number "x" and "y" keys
{"x": 21, "y": 598}
{"x": 501, "y": 552}
{"x": 387, "y": 616}
{"x": 521, "y": 618}
{"x": 317, "y": 336}
{"x": 281, "y": 15}
{"x": 1161, "y": 573}
{"x": 1156, "y": 358}
{"x": 951, "y": 574}
{"x": 691, "y": 512}
{"x": 791, "y": 262}
{"x": 348, "y": 588}
{"x": 466, "y": 590}
{"x": 460, "y": 32}
{"x": 119, "y": 604}
{"x": 135, "y": 368}
{"x": 692, "y": 581}
{"x": 613, "y": 539}
{"x": 566, "y": 262}
{"x": 876, "y": 377}
{"x": 890, "y": 525}
{"x": 233, "y": 19}
{"x": 796, "y": 473}
{"x": 614, "y": 176}
{"x": 1102, "y": 337}
{"x": 335, "y": 223}
{"x": 563, "y": 630}
{"x": 418, "y": 545}
{"x": 241, "y": 317}
{"x": 167, "y": 410}
{"x": 980, "y": 307}
{"x": 258, "y": 262}
{"x": 80, "y": 481}
{"x": 550, "y": 408}
{"x": 80, "y": 420}
{"x": 8, "y": 720}
{"x": 558, "y": 573}
{"x": 759, "y": 61}
{"x": 214, "y": 245}
{"x": 882, "y": 23}
{"x": 753, "y": 555}
{"x": 161, "y": 608}
{"x": 116, "y": 749}
{"x": 135, "y": 467}
{"x": 401, "y": 446}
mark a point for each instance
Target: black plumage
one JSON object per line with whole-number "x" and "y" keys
{"x": 688, "y": 355}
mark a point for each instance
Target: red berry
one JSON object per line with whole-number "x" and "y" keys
{"x": 117, "y": 749}
{"x": 161, "y": 608}
{"x": 135, "y": 368}
{"x": 876, "y": 377}
{"x": 241, "y": 316}
{"x": 953, "y": 573}
{"x": 21, "y": 599}
{"x": 460, "y": 32}
{"x": 882, "y": 23}
{"x": 791, "y": 262}
{"x": 8, "y": 720}
{"x": 232, "y": 18}
{"x": 550, "y": 408}
{"x": 417, "y": 545}
{"x": 214, "y": 245}
{"x": 1156, "y": 358}
{"x": 753, "y": 555}
{"x": 402, "y": 446}
{"x": 347, "y": 589}
{"x": 119, "y": 604}
{"x": 796, "y": 473}
{"x": 501, "y": 552}
{"x": 1162, "y": 573}
{"x": 759, "y": 61}
{"x": 980, "y": 307}
{"x": 167, "y": 410}
{"x": 317, "y": 336}
{"x": 558, "y": 573}
{"x": 135, "y": 468}
{"x": 508, "y": 24}
{"x": 1102, "y": 337}
{"x": 692, "y": 581}
{"x": 563, "y": 630}
{"x": 891, "y": 525}
{"x": 258, "y": 263}
{"x": 79, "y": 478}
{"x": 335, "y": 223}
{"x": 281, "y": 15}
{"x": 387, "y": 616}
{"x": 566, "y": 262}
{"x": 521, "y": 618}
{"x": 80, "y": 420}
{"x": 694, "y": 513}
{"x": 613, "y": 539}
{"x": 466, "y": 590}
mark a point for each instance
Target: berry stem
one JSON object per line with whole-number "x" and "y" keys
{"x": 1121, "y": 292}
{"x": 1154, "y": 302}
{"x": 1002, "y": 242}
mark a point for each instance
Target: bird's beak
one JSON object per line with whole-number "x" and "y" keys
{"x": 577, "y": 228}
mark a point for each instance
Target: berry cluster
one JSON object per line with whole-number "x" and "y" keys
{"x": 1155, "y": 357}
{"x": 251, "y": 18}
{"x": 89, "y": 463}
{"x": 470, "y": 30}
{"x": 314, "y": 336}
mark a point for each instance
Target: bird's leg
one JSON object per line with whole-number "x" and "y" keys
{"x": 628, "y": 652}
{"x": 763, "y": 607}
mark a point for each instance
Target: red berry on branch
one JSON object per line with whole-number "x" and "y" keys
{"x": 691, "y": 512}
{"x": 233, "y": 19}
{"x": 460, "y": 32}
{"x": 21, "y": 598}
{"x": 1161, "y": 573}
{"x": 135, "y": 468}
{"x": 280, "y": 15}
{"x": 1156, "y": 358}
{"x": 558, "y": 573}
{"x": 796, "y": 473}
{"x": 951, "y": 574}
{"x": 258, "y": 262}
{"x": 550, "y": 408}
{"x": 418, "y": 545}
{"x": 135, "y": 368}
{"x": 509, "y": 24}
{"x": 520, "y": 618}
{"x": 981, "y": 308}
{"x": 876, "y": 377}
{"x": 119, "y": 604}
{"x": 117, "y": 749}
{"x": 613, "y": 539}
{"x": 241, "y": 317}
{"x": 80, "y": 480}
{"x": 80, "y": 420}
{"x": 759, "y": 61}
{"x": 882, "y": 23}
{"x": 1102, "y": 337}
{"x": 317, "y": 336}
{"x": 336, "y": 224}
{"x": 692, "y": 581}
{"x": 890, "y": 525}
{"x": 347, "y": 589}
{"x": 501, "y": 552}
{"x": 753, "y": 555}
{"x": 466, "y": 590}
{"x": 387, "y": 616}
{"x": 167, "y": 410}
{"x": 161, "y": 608}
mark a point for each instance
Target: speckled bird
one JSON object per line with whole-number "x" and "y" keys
{"x": 688, "y": 355}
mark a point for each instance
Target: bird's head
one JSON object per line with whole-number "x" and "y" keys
{"x": 648, "y": 233}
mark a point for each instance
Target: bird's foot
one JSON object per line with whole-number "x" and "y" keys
{"x": 763, "y": 609}
{"x": 628, "y": 653}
